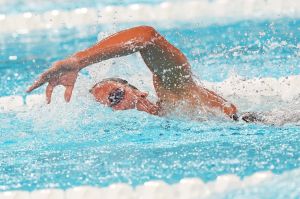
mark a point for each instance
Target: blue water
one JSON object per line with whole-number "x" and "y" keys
{"x": 84, "y": 143}
{"x": 19, "y": 6}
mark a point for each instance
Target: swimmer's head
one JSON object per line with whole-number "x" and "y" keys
{"x": 120, "y": 95}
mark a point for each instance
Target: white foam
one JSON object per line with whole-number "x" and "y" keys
{"x": 83, "y": 192}
{"x": 155, "y": 189}
{"x": 225, "y": 183}
{"x": 32, "y": 100}
{"x": 10, "y": 103}
{"x": 279, "y": 97}
{"x": 186, "y": 189}
{"x": 119, "y": 190}
{"x": 257, "y": 178}
{"x": 203, "y": 13}
{"x": 263, "y": 93}
{"x": 48, "y": 194}
{"x": 15, "y": 195}
{"x": 192, "y": 188}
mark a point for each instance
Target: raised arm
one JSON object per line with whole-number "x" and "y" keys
{"x": 163, "y": 59}
{"x": 158, "y": 54}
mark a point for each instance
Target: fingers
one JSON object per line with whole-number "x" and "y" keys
{"x": 68, "y": 93}
{"x": 49, "y": 91}
{"x": 38, "y": 83}
{"x": 35, "y": 85}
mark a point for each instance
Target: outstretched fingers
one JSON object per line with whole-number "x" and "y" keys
{"x": 36, "y": 84}
{"x": 56, "y": 75}
{"x": 68, "y": 92}
{"x": 40, "y": 81}
{"x": 49, "y": 91}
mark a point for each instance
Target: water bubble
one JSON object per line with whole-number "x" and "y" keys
{"x": 12, "y": 57}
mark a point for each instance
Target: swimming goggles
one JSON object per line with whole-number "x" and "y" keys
{"x": 116, "y": 96}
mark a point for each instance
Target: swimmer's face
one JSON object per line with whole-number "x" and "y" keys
{"x": 122, "y": 97}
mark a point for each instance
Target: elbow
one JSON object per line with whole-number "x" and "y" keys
{"x": 149, "y": 33}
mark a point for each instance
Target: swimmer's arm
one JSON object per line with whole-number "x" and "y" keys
{"x": 156, "y": 51}
{"x": 142, "y": 39}
{"x": 212, "y": 100}
{"x": 117, "y": 45}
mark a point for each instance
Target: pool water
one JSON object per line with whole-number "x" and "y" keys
{"x": 40, "y": 6}
{"x": 84, "y": 143}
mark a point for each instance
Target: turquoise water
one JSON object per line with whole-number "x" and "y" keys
{"x": 132, "y": 147}
{"x": 84, "y": 143}
{"x": 40, "y": 6}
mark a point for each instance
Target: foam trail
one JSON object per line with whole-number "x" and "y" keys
{"x": 258, "y": 91}
{"x": 188, "y": 188}
{"x": 203, "y": 13}
{"x": 277, "y": 98}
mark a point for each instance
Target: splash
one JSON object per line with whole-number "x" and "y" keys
{"x": 276, "y": 99}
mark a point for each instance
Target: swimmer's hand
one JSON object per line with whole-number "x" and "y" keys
{"x": 64, "y": 73}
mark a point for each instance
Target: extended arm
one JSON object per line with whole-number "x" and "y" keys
{"x": 142, "y": 38}
{"x": 162, "y": 58}
{"x": 157, "y": 53}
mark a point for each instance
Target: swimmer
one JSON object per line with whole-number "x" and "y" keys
{"x": 172, "y": 76}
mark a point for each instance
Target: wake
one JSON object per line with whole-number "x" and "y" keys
{"x": 275, "y": 101}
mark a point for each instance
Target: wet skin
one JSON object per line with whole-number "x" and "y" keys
{"x": 172, "y": 76}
